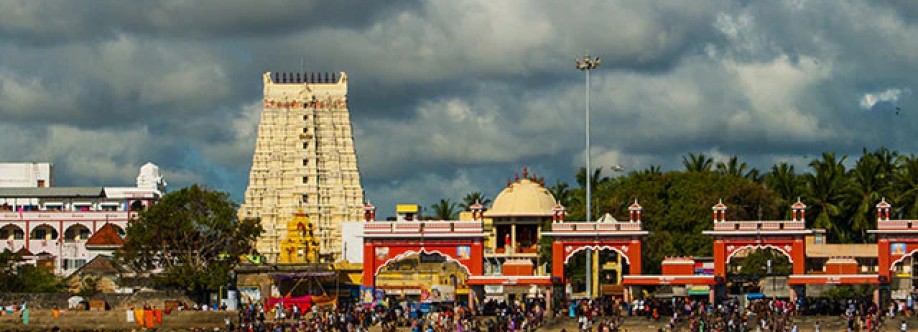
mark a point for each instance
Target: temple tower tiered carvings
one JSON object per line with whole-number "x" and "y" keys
{"x": 304, "y": 161}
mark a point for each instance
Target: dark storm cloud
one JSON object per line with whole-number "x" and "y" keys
{"x": 454, "y": 96}
{"x": 48, "y": 22}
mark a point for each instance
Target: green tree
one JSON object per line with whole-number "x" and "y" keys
{"x": 697, "y": 163}
{"x": 756, "y": 263}
{"x": 870, "y": 182}
{"x": 785, "y": 183}
{"x": 562, "y": 193}
{"x": 444, "y": 210}
{"x": 652, "y": 170}
{"x": 26, "y": 278}
{"x": 194, "y": 236}
{"x": 826, "y": 188}
{"x": 34, "y": 279}
{"x": 472, "y": 198}
{"x": 732, "y": 167}
{"x": 906, "y": 184}
{"x": 578, "y": 208}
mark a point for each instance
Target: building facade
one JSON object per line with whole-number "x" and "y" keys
{"x": 26, "y": 175}
{"x": 304, "y": 161}
{"x": 62, "y": 228}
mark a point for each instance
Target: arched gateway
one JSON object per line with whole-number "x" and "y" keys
{"x": 897, "y": 245}
{"x": 571, "y": 237}
{"x": 785, "y": 236}
{"x": 385, "y": 242}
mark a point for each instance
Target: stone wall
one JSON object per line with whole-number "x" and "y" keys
{"x": 113, "y": 301}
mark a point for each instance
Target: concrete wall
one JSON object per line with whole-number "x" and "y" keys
{"x": 114, "y": 301}
{"x": 25, "y": 175}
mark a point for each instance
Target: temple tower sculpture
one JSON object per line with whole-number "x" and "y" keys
{"x": 304, "y": 161}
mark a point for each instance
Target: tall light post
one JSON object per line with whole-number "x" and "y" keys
{"x": 587, "y": 64}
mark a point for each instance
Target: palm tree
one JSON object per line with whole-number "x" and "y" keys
{"x": 652, "y": 170}
{"x": 472, "y": 198}
{"x": 444, "y": 210}
{"x": 732, "y": 167}
{"x": 597, "y": 178}
{"x": 784, "y": 181}
{"x": 697, "y": 163}
{"x": 579, "y": 198}
{"x": 562, "y": 193}
{"x": 906, "y": 179}
{"x": 869, "y": 184}
{"x": 888, "y": 160}
{"x": 826, "y": 188}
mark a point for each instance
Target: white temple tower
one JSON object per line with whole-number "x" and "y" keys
{"x": 304, "y": 160}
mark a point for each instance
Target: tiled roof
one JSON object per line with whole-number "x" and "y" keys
{"x": 24, "y": 252}
{"x": 107, "y": 236}
{"x": 98, "y": 266}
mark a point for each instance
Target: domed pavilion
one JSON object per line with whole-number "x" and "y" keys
{"x": 514, "y": 225}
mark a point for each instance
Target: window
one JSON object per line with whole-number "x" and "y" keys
{"x": 306, "y": 130}
{"x": 305, "y": 162}
{"x": 305, "y": 179}
{"x": 305, "y": 118}
{"x": 71, "y": 264}
{"x": 305, "y": 145}
{"x": 12, "y": 231}
{"x": 41, "y": 183}
{"x": 305, "y": 198}
{"x": 54, "y": 206}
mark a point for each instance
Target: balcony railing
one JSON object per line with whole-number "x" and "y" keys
{"x": 595, "y": 226}
{"x": 897, "y": 225}
{"x": 758, "y": 225}
{"x": 68, "y": 215}
{"x": 422, "y": 227}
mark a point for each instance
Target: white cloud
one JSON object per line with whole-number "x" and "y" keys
{"x": 461, "y": 84}
{"x": 891, "y": 95}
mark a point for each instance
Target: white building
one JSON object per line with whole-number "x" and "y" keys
{"x": 26, "y": 175}
{"x": 64, "y": 227}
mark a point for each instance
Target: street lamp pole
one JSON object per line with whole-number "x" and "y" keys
{"x": 587, "y": 64}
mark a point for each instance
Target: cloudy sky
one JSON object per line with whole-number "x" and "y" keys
{"x": 449, "y": 97}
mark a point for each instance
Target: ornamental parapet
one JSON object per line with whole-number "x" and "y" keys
{"x": 596, "y": 227}
{"x": 897, "y": 225}
{"x": 887, "y": 225}
{"x": 772, "y": 225}
{"x": 423, "y": 228}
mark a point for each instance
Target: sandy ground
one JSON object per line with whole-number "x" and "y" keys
{"x": 42, "y": 320}
{"x": 189, "y": 320}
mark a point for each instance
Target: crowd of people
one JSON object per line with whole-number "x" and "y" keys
{"x": 491, "y": 316}
{"x": 605, "y": 314}
{"x": 774, "y": 315}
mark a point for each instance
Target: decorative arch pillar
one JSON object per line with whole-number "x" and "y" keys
{"x": 798, "y": 254}
{"x": 720, "y": 258}
{"x": 884, "y": 259}
{"x": 634, "y": 257}
{"x": 476, "y": 268}
{"x": 369, "y": 264}
{"x": 557, "y": 259}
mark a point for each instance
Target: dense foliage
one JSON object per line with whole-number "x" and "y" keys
{"x": 194, "y": 236}
{"x": 840, "y": 195}
{"x": 26, "y": 278}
